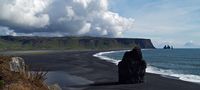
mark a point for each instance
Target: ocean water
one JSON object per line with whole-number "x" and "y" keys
{"x": 183, "y": 64}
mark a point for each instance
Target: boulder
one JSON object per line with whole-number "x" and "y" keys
{"x": 17, "y": 64}
{"x": 132, "y": 68}
{"x": 55, "y": 87}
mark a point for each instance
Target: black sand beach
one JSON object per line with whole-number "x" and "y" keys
{"x": 85, "y": 72}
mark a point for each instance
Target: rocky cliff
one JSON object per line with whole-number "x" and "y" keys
{"x": 72, "y": 43}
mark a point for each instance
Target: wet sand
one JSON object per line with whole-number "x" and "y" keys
{"x": 79, "y": 70}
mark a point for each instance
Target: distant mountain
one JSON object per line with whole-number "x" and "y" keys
{"x": 70, "y": 43}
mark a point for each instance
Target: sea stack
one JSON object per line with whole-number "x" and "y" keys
{"x": 132, "y": 68}
{"x": 168, "y": 47}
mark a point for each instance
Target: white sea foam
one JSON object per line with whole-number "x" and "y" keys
{"x": 152, "y": 69}
{"x": 102, "y": 56}
{"x": 184, "y": 77}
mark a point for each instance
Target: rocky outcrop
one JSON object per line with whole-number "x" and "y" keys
{"x": 14, "y": 75}
{"x": 55, "y": 87}
{"x": 17, "y": 64}
{"x": 132, "y": 67}
{"x": 168, "y": 47}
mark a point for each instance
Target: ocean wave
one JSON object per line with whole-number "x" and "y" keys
{"x": 102, "y": 56}
{"x": 153, "y": 69}
{"x": 172, "y": 73}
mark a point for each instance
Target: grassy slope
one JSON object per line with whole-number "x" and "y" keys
{"x": 23, "y": 80}
{"x": 35, "y": 43}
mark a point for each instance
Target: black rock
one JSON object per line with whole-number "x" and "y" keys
{"x": 132, "y": 67}
{"x": 168, "y": 47}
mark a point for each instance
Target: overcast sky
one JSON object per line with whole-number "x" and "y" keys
{"x": 174, "y": 22}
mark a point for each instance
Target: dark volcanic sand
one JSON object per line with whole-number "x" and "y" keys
{"x": 83, "y": 71}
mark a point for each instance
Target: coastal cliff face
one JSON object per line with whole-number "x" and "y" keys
{"x": 70, "y": 43}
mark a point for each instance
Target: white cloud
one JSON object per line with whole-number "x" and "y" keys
{"x": 92, "y": 17}
{"x": 24, "y": 13}
{"x": 191, "y": 44}
{"x": 85, "y": 29}
{"x": 67, "y": 17}
{"x": 6, "y": 31}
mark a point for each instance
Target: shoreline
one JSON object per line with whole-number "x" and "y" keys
{"x": 83, "y": 67}
{"x": 150, "y": 69}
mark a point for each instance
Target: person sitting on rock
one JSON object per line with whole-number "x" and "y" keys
{"x": 132, "y": 67}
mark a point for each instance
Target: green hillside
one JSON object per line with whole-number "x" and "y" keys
{"x": 70, "y": 43}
